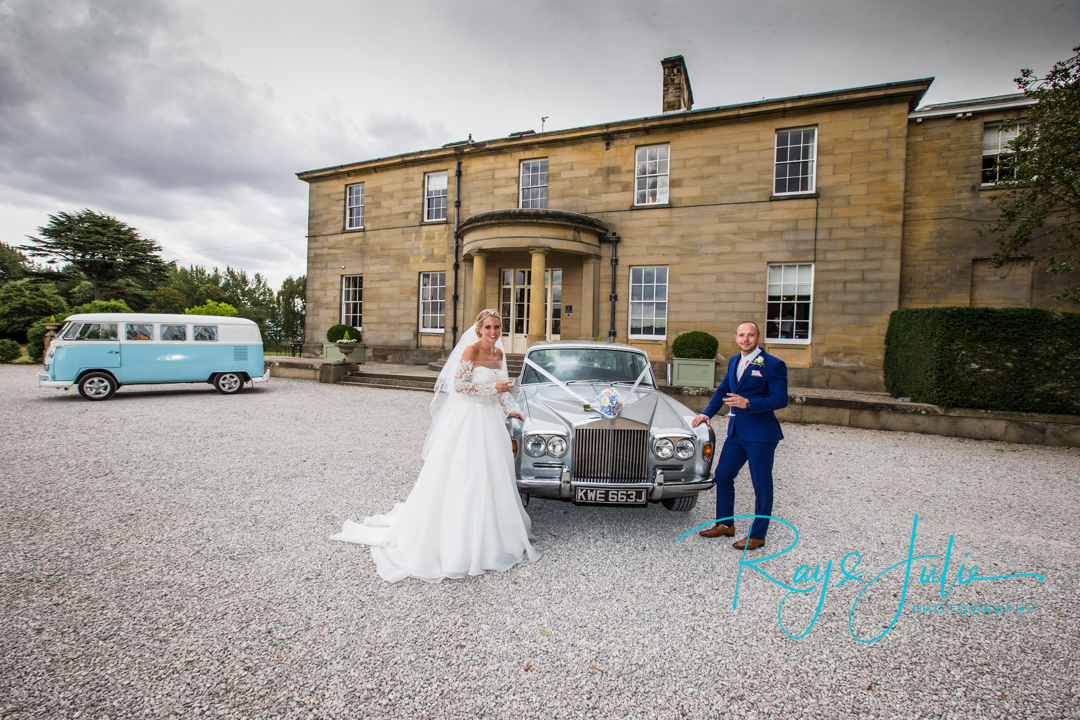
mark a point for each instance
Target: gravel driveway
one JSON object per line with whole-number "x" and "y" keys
{"x": 165, "y": 554}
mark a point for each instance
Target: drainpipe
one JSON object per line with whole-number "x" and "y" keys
{"x": 614, "y": 296}
{"x": 457, "y": 247}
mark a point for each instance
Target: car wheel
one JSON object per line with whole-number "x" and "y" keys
{"x": 680, "y": 504}
{"x": 229, "y": 383}
{"x": 524, "y": 500}
{"x": 97, "y": 386}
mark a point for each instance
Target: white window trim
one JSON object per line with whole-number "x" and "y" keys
{"x": 629, "y": 302}
{"x": 342, "y": 305}
{"x": 420, "y": 304}
{"x": 348, "y": 207}
{"x": 814, "y": 162}
{"x": 446, "y": 197}
{"x": 522, "y": 188}
{"x": 666, "y": 200}
{"x": 1001, "y": 151}
{"x": 765, "y": 340}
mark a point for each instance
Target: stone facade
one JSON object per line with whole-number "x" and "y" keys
{"x": 874, "y": 228}
{"x": 946, "y": 202}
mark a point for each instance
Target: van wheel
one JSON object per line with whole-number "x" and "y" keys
{"x": 97, "y": 386}
{"x": 229, "y": 383}
{"x": 680, "y": 504}
{"x": 524, "y": 499}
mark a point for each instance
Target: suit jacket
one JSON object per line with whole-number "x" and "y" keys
{"x": 766, "y": 394}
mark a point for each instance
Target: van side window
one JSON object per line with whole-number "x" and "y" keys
{"x": 205, "y": 333}
{"x": 174, "y": 332}
{"x": 72, "y": 331}
{"x": 140, "y": 332}
{"x": 97, "y": 331}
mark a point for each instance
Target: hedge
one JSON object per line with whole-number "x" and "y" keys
{"x": 1006, "y": 359}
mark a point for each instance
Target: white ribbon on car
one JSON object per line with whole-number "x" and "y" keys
{"x": 565, "y": 387}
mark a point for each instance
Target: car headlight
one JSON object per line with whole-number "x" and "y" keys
{"x": 663, "y": 448}
{"x": 556, "y": 446}
{"x": 684, "y": 449}
{"x": 535, "y": 445}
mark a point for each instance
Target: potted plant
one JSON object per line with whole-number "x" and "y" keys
{"x": 341, "y": 342}
{"x": 694, "y": 362}
{"x": 345, "y": 346}
{"x": 52, "y": 324}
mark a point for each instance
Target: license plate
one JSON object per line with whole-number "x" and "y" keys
{"x": 610, "y": 496}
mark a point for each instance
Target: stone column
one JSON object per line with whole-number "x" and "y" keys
{"x": 537, "y": 319}
{"x": 479, "y": 283}
{"x": 589, "y": 300}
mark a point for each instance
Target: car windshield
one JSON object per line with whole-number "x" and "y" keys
{"x": 587, "y": 364}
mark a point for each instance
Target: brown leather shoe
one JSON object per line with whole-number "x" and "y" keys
{"x": 748, "y": 543}
{"x": 718, "y": 530}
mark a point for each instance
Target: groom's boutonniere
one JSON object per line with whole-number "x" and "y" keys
{"x": 758, "y": 362}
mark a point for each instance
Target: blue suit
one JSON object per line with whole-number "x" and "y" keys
{"x": 751, "y": 435}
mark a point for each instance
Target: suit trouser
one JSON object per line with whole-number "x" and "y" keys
{"x": 735, "y": 454}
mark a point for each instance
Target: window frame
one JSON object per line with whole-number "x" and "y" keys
{"x": 428, "y": 197}
{"x": 421, "y": 302}
{"x": 522, "y": 187}
{"x": 666, "y": 175}
{"x": 350, "y": 207}
{"x": 810, "y": 317}
{"x": 344, "y": 314}
{"x": 631, "y": 301}
{"x": 1002, "y": 149}
{"x": 813, "y": 161}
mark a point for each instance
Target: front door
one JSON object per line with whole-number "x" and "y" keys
{"x": 515, "y": 296}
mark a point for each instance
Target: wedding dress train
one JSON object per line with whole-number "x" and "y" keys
{"x": 464, "y": 514}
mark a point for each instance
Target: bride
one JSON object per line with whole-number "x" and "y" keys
{"x": 464, "y": 514}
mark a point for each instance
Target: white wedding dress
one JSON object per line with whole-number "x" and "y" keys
{"x": 464, "y": 514}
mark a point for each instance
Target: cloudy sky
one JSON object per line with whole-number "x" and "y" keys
{"x": 188, "y": 119}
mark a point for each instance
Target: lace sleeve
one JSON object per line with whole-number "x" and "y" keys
{"x": 463, "y": 381}
{"x": 508, "y": 404}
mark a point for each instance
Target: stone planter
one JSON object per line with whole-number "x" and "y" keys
{"x": 688, "y": 372}
{"x": 332, "y": 353}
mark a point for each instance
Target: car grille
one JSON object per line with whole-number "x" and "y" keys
{"x": 612, "y": 451}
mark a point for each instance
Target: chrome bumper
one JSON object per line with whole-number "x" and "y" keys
{"x": 563, "y": 487}
{"x": 45, "y": 380}
{"x": 264, "y": 378}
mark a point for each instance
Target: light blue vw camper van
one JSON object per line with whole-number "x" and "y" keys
{"x": 99, "y": 352}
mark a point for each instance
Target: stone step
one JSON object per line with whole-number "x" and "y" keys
{"x": 395, "y": 381}
{"x": 386, "y": 386}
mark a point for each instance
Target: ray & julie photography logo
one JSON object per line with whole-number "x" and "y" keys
{"x": 935, "y": 570}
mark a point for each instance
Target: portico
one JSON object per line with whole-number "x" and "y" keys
{"x": 539, "y": 268}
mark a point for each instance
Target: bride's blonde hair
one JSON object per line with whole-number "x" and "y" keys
{"x": 484, "y": 315}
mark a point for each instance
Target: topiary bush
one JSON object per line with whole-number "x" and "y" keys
{"x": 9, "y": 351}
{"x": 1005, "y": 359}
{"x": 695, "y": 345}
{"x": 337, "y": 332}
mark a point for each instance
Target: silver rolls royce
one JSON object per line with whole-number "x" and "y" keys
{"x": 598, "y": 430}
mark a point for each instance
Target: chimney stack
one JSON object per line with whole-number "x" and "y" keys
{"x": 677, "y": 94}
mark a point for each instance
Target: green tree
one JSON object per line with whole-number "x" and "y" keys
{"x": 24, "y": 302}
{"x": 13, "y": 264}
{"x": 1040, "y": 211}
{"x": 212, "y": 308}
{"x": 167, "y": 300}
{"x": 103, "y": 251}
{"x": 291, "y": 300}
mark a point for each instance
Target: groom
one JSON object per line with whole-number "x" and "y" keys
{"x": 754, "y": 386}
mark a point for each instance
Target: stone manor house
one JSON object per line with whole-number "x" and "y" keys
{"x": 815, "y": 216}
